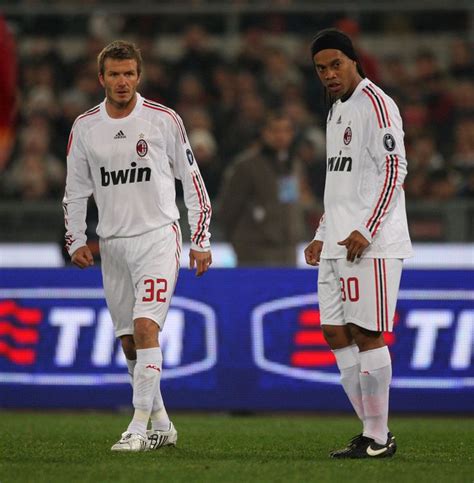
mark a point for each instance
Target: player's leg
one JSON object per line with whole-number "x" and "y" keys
{"x": 337, "y": 334}
{"x": 370, "y": 289}
{"x": 128, "y": 348}
{"x": 146, "y": 373}
{"x": 119, "y": 294}
{"x": 156, "y": 275}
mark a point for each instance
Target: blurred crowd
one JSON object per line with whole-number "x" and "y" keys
{"x": 224, "y": 100}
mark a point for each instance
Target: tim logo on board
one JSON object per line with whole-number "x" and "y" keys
{"x": 432, "y": 346}
{"x": 67, "y": 338}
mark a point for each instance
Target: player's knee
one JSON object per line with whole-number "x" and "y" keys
{"x": 145, "y": 333}
{"x": 336, "y": 336}
{"x": 366, "y": 339}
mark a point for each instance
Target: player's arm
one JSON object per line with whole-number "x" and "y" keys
{"x": 387, "y": 151}
{"x": 196, "y": 198}
{"x": 312, "y": 252}
{"x": 77, "y": 192}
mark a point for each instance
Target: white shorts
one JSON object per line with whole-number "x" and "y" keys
{"x": 139, "y": 275}
{"x": 363, "y": 293}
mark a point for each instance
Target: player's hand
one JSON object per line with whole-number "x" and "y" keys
{"x": 355, "y": 243}
{"x": 82, "y": 257}
{"x": 202, "y": 261}
{"x": 312, "y": 252}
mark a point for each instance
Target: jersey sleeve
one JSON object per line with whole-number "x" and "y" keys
{"x": 78, "y": 190}
{"x": 321, "y": 230}
{"x": 196, "y": 199}
{"x": 386, "y": 148}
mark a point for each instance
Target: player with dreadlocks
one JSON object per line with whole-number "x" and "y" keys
{"x": 362, "y": 237}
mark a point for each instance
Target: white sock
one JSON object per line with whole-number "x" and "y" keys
{"x": 375, "y": 377}
{"x": 348, "y": 363}
{"x": 159, "y": 416}
{"x": 131, "y": 368}
{"x": 146, "y": 377}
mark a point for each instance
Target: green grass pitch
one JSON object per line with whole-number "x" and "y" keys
{"x": 75, "y": 447}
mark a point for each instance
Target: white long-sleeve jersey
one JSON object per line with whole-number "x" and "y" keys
{"x": 366, "y": 166}
{"x": 129, "y": 165}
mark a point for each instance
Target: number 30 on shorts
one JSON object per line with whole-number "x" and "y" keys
{"x": 350, "y": 289}
{"x": 155, "y": 288}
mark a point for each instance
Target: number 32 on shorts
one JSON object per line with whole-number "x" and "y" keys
{"x": 350, "y": 289}
{"x": 155, "y": 288}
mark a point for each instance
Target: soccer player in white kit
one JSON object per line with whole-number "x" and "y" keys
{"x": 127, "y": 152}
{"x": 362, "y": 237}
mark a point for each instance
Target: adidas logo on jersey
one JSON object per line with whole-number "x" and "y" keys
{"x": 339, "y": 121}
{"x": 120, "y": 135}
{"x": 124, "y": 176}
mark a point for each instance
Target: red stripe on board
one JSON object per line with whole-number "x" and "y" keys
{"x": 17, "y": 356}
{"x": 20, "y": 336}
{"x": 390, "y": 196}
{"x": 387, "y": 159}
{"x": 309, "y": 337}
{"x": 389, "y": 338}
{"x": 310, "y": 317}
{"x": 162, "y": 109}
{"x": 375, "y": 106}
{"x": 24, "y": 316}
{"x": 312, "y": 358}
{"x": 377, "y": 294}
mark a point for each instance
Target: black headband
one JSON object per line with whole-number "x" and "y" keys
{"x": 333, "y": 39}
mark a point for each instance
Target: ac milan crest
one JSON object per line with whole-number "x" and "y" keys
{"x": 347, "y": 135}
{"x": 142, "y": 148}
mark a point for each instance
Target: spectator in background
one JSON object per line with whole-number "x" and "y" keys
{"x": 423, "y": 154}
{"x": 36, "y": 174}
{"x": 157, "y": 82}
{"x": 191, "y": 94}
{"x": 8, "y": 90}
{"x": 252, "y": 50}
{"x": 199, "y": 57}
{"x": 461, "y": 64}
{"x": 425, "y": 159}
{"x": 244, "y": 129}
{"x": 278, "y": 73}
{"x": 442, "y": 185}
{"x": 463, "y": 152}
{"x": 430, "y": 82}
{"x": 396, "y": 79}
{"x": 259, "y": 204}
{"x": 205, "y": 151}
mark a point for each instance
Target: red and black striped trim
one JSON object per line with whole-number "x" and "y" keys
{"x": 391, "y": 175}
{"x": 381, "y": 98}
{"x": 381, "y": 297}
{"x": 170, "y": 112}
{"x": 379, "y": 106}
{"x": 205, "y": 205}
{"x": 90, "y": 112}
{"x": 176, "y": 230}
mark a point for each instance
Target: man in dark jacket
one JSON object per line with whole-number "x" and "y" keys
{"x": 259, "y": 203}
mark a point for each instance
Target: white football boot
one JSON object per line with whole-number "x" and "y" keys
{"x": 130, "y": 442}
{"x": 157, "y": 438}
